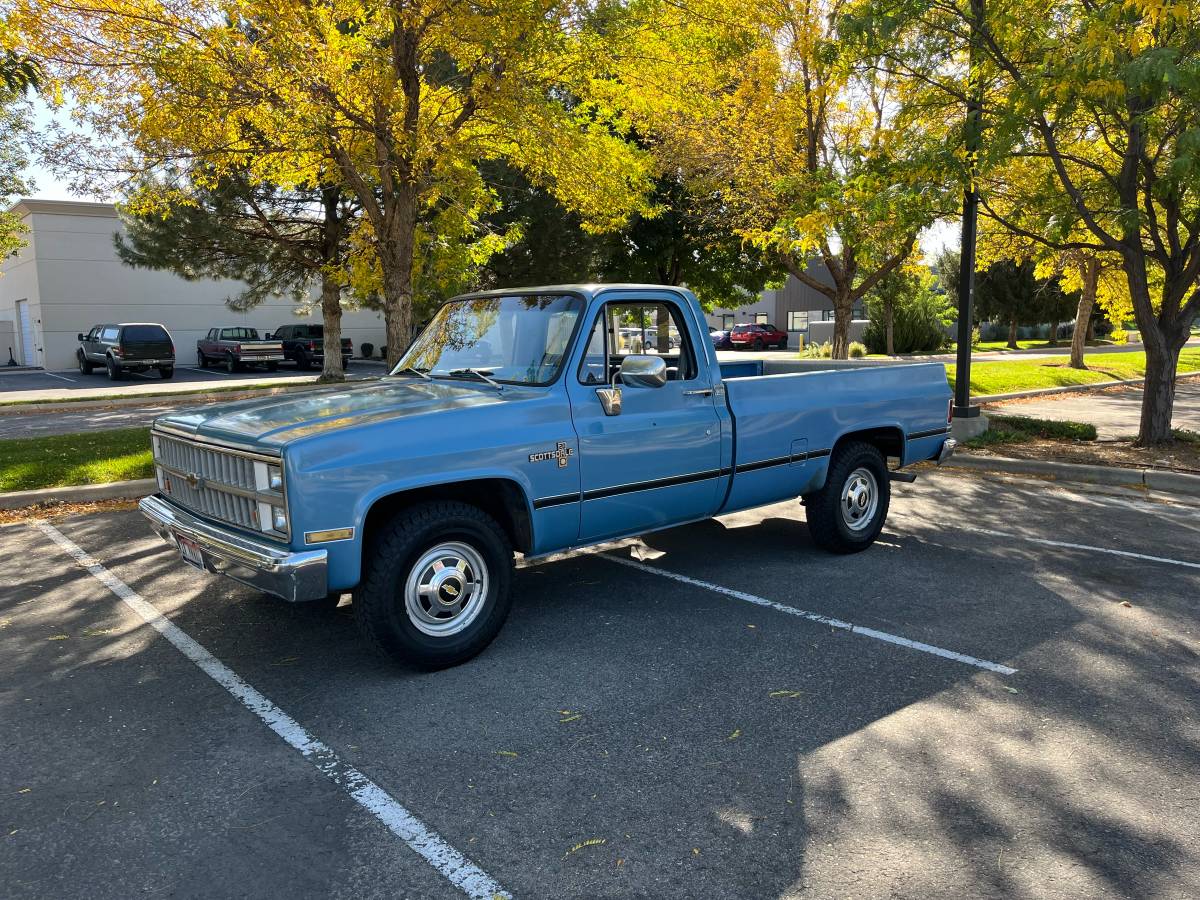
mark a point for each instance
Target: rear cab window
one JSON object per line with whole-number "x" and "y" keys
{"x": 144, "y": 334}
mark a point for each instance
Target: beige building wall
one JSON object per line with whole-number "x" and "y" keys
{"x": 72, "y": 278}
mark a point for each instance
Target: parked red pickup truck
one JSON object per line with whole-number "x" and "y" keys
{"x": 237, "y": 346}
{"x": 756, "y": 336}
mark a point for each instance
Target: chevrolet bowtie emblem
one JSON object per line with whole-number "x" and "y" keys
{"x": 195, "y": 482}
{"x": 450, "y": 589}
{"x": 561, "y": 452}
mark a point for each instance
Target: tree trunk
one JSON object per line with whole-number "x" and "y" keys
{"x": 843, "y": 309}
{"x": 331, "y": 316}
{"x": 1083, "y": 313}
{"x": 889, "y": 328}
{"x": 396, "y": 259}
{"x": 1158, "y": 401}
{"x": 1012, "y": 335}
{"x": 663, "y": 330}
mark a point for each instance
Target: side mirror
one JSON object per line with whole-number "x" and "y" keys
{"x": 643, "y": 371}
{"x": 636, "y": 370}
{"x": 79, "y": 337}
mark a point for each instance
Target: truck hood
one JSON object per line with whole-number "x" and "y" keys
{"x": 271, "y": 422}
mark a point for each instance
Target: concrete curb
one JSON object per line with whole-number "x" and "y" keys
{"x": 1154, "y": 479}
{"x": 1071, "y": 389}
{"x": 79, "y": 493}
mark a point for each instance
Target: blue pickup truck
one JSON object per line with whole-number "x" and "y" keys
{"x": 533, "y": 420}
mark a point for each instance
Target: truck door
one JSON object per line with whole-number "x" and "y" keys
{"x": 659, "y": 461}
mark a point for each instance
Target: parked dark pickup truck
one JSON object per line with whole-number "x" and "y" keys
{"x": 237, "y": 346}
{"x": 132, "y": 347}
{"x": 304, "y": 345}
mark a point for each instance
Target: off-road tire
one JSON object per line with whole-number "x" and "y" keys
{"x": 826, "y": 523}
{"x": 379, "y": 603}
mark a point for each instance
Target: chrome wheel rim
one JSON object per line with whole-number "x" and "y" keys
{"x": 860, "y": 499}
{"x": 446, "y": 589}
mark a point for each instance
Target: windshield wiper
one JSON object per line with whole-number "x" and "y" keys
{"x": 409, "y": 370}
{"x": 481, "y": 374}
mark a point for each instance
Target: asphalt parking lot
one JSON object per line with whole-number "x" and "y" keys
{"x": 1013, "y": 714}
{"x": 38, "y": 385}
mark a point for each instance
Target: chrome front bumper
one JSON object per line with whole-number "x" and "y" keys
{"x": 295, "y": 577}
{"x": 948, "y": 448}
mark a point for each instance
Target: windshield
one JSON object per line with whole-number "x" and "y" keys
{"x": 518, "y": 340}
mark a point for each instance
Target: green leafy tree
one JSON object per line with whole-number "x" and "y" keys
{"x": 279, "y": 242}
{"x": 1010, "y": 292}
{"x": 907, "y": 313}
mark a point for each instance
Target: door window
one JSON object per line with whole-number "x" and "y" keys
{"x": 624, "y": 329}
{"x": 109, "y": 333}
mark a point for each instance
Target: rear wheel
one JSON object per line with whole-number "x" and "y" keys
{"x": 758, "y": 344}
{"x": 435, "y": 588}
{"x": 166, "y": 372}
{"x": 231, "y": 364}
{"x": 303, "y": 363}
{"x": 114, "y": 371}
{"x": 85, "y": 367}
{"x": 848, "y": 513}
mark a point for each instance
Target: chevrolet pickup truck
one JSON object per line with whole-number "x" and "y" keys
{"x": 237, "y": 346}
{"x": 516, "y": 422}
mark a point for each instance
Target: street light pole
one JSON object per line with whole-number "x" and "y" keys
{"x": 966, "y": 275}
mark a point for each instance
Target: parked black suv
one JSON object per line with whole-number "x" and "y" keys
{"x": 132, "y": 347}
{"x": 304, "y": 345}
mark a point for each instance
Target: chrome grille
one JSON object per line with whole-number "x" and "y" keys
{"x": 223, "y": 484}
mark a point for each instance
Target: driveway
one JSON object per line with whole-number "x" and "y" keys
{"x": 1116, "y": 412}
{"x": 972, "y": 707}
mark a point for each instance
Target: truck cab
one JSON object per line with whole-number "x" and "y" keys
{"x": 534, "y": 420}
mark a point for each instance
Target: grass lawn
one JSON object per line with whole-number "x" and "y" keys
{"x": 118, "y": 455}
{"x": 1053, "y": 371}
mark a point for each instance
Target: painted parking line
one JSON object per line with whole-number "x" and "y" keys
{"x": 815, "y": 617}
{"x": 423, "y": 840}
{"x": 60, "y": 377}
{"x": 1067, "y": 545}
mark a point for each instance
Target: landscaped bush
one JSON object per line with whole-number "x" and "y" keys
{"x": 1119, "y": 336}
{"x": 818, "y": 351}
{"x": 919, "y": 323}
{"x": 367, "y": 349}
{"x": 857, "y": 350}
{"x": 383, "y": 352}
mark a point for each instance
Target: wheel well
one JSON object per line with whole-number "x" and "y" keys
{"x": 889, "y": 440}
{"x": 500, "y": 498}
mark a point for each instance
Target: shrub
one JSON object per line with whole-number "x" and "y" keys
{"x": 920, "y": 316}
{"x": 1119, "y": 336}
{"x": 818, "y": 351}
{"x": 976, "y": 337}
{"x": 367, "y": 349}
{"x": 857, "y": 350}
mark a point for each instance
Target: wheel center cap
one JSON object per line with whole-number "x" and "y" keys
{"x": 450, "y": 591}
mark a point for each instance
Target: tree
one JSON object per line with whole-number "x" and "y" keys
{"x": 1009, "y": 291}
{"x": 907, "y": 314}
{"x": 19, "y": 75}
{"x": 812, "y": 151}
{"x": 278, "y": 242}
{"x": 402, "y": 99}
{"x": 1107, "y": 94}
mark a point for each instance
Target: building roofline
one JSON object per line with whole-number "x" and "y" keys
{"x": 31, "y": 205}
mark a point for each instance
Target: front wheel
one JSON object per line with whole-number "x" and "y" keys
{"x": 435, "y": 587}
{"x": 201, "y": 359}
{"x": 85, "y": 367}
{"x": 847, "y": 514}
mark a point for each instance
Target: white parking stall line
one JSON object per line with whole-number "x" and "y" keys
{"x": 423, "y": 840}
{"x": 816, "y": 617}
{"x": 60, "y": 377}
{"x": 1067, "y": 545}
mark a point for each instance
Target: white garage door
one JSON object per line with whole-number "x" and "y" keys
{"x": 25, "y": 324}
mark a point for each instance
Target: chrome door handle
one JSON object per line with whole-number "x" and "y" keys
{"x": 702, "y": 392}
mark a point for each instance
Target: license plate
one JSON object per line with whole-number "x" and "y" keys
{"x": 191, "y": 551}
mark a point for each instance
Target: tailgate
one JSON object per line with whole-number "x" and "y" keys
{"x": 137, "y": 350}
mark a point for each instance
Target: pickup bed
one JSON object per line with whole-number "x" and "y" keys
{"x": 237, "y": 346}
{"x": 519, "y": 420}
